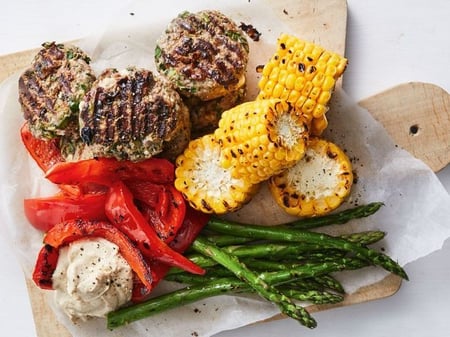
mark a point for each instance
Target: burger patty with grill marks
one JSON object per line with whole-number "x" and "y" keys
{"x": 205, "y": 115}
{"x": 51, "y": 88}
{"x": 134, "y": 115}
{"x": 205, "y": 54}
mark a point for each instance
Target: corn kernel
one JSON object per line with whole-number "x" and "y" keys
{"x": 277, "y": 90}
{"x": 331, "y": 70}
{"x": 274, "y": 74}
{"x": 299, "y": 83}
{"x": 267, "y": 69}
{"x": 294, "y": 95}
{"x": 308, "y": 106}
{"x": 319, "y": 110}
{"x": 307, "y": 88}
{"x": 318, "y": 125}
{"x": 318, "y": 79}
{"x": 290, "y": 81}
{"x": 314, "y": 94}
{"x": 324, "y": 97}
{"x": 325, "y": 57}
{"x": 285, "y": 94}
{"x": 328, "y": 83}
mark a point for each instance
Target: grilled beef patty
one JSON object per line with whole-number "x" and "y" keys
{"x": 133, "y": 115}
{"x": 52, "y": 87}
{"x": 205, "y": 115}
{"x": 204, "y": 54}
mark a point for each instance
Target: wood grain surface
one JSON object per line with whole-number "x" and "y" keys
{"x": 324, "y": 22}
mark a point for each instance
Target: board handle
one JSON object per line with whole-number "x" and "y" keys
{"x": 417, "y": 117}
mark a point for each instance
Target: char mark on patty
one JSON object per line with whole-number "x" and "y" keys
{"x": 52, "y": 87}
{"x": 131, "y": 114}
{"x": 205, "y": 54}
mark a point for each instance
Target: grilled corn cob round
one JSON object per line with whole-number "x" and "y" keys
{"x": 205, "y": 184}
{"x": 261, "y": 138}
{"x": 317, "y": 184}
{"x": 303, "y": 73}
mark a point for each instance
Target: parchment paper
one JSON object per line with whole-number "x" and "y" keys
{"x": 416, "y": 212}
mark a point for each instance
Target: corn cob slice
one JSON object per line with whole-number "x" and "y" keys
{"x": 317, "y": 184}
{"x": 205, "y": 184}
{"x": 261, "y": 138}
{"x": 303, "y": 73}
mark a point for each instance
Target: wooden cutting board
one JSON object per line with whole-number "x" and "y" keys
{"x": 407, "y": 120}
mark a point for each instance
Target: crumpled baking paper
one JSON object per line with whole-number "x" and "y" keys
{"x": 416, "y": 212}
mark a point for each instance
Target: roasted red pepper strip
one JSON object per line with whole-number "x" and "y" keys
{"x": 163, "y": 206}
{"x": 107, "y": 170}
{"x": 193, "y": 224}
{"x": 45, "y": 153}
{"x": 45, "y": 266}
{"x": 121, "y": 211}
{"x": 69, "y": 231}
{"x": 44, "y": 213}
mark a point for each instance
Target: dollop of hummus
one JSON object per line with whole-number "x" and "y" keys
{"x": 91, "y": 279}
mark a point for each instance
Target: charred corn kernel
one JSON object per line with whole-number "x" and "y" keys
{"x": 303, "y": 67}
{"x": 317, "y": 184}
{"x": 267, "y": 136}
{"x": 205, "y": 184}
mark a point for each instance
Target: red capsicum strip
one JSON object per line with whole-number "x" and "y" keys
{"x": 107, "y": 170}
{"x": 45, "y": 266}
{"x": 69, "y": 231}
{"x": 163, "y": 206}
{"x": 121, "y": 211}
{"x": 44, "y": 213}
{"x": 193, "y": 223}
{"x": 45, "y": 153}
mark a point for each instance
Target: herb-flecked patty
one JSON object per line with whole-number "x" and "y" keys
{"x": 205, "y": 115}
{"x": 52, "y": 87}
{"x": 205, "y": 54}
{"x": 133, "y": 114}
